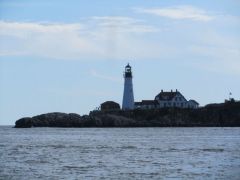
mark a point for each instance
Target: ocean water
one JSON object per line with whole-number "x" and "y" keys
{"x": 119, "y": 153}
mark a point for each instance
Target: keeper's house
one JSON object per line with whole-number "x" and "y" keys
{"x": 167, "y": 99}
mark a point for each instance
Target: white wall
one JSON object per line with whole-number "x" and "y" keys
{"x": 128, "y": 97}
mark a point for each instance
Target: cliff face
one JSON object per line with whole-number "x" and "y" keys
{"x": 215, "y": 115}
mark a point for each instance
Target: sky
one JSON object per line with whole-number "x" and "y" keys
{"x": 69, "y": 55}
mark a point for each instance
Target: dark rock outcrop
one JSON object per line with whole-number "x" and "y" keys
{"x": 24, "y": 123}
{"x": 55, "y": 119}
{"x": 214, "y": 115}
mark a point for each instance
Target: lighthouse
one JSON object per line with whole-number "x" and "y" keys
{"x": 128, "y": 98}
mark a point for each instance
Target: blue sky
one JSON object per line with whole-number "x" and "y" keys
{"x": 69, "y": 56}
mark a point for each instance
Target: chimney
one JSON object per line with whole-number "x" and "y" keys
{"x": 171, "y": 90}
{"x": 176, "y": 90}
{"x": 161, "y": 90}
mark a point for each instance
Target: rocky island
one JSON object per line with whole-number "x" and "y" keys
{"x": 213, "y": 115}
{"x": 167, "y": 109}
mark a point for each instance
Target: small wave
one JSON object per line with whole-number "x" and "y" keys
{"x": 36, "y": 162}
{"x": 55, "y": 146}
{"x": 213, "y": 150}
{"x": 58, "y": 146}
{"x": 128, "y": 147}
{"x": 165, "y": 150}
{"x": 143, "y": 161}
{"x": 104, "y": 147}
{"x": 173, "y": 149}
{"x": 80, "y": 168}
{"x": 73, "y": 167}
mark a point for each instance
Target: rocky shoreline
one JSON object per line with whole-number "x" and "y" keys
{"x": 212, "y": 115}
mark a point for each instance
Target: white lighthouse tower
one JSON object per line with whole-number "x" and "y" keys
{"x": 128, "y": 98}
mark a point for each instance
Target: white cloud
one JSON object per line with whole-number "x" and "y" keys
{"x": 10, "y": 28}
{"x": 44, "y": 40}
{"x": 96, "y": 38}
{"x": 178, "y": 12}
{"x": 124, "y": 38}
{"x": 123, "y": 24}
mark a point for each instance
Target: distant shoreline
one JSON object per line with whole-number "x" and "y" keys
{"x": 212, "y": 115}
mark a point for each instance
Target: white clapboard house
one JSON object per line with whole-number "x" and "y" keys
{"x": 167, "y": 99}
